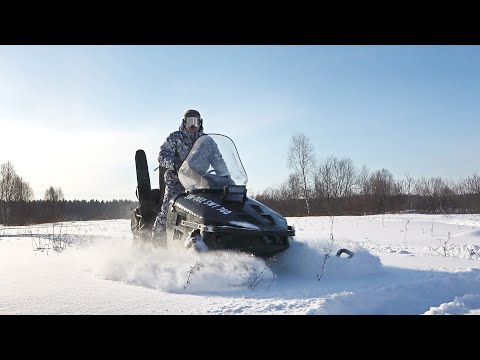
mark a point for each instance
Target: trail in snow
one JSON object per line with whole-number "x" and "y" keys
{"x": 400, "y": 266}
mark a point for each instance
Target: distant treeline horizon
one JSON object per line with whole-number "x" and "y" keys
{"x": 47, "y": 211}
{"x": 330, "y": 186}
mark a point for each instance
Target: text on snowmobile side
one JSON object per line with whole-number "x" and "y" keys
{"x": 209, "y": 203}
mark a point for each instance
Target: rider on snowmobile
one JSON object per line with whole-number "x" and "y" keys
{"x": 172, "y": 153}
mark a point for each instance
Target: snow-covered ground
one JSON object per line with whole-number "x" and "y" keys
{"x": 403, "y": 264}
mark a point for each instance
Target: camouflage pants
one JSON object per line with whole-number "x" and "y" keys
{"x": 172, "y": 189}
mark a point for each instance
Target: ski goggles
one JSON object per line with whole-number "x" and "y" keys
{"x": 193, "y": 121}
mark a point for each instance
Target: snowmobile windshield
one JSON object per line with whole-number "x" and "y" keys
{"x": 212, "y": 163}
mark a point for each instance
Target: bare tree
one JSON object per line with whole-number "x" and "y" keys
{"x": 472, "y": 185}
{"x": 301, "y": 159}
{"x": 362, "y": 181}
{"x": 443, "y": 194}
{"x": 382, "y": 185}
{"x": 291, "y": 188}
{"x": 345, "y": 177}
{"x": 7, "y": 182}
{"x": 408, "y": 184}
{"x": 334, "y": 178}
{"x": 22, "y": 190}
{"x": 408, "y": 187}
{"x": 54, "y": 195}
{"x": 323, "y": 180}
{"x": 435, "y": 192}
{"x": 12, "y": 189}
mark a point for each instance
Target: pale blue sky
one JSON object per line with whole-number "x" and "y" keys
{"x": 73, "y": 116}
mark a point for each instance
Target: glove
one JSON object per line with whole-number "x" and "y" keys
{"x": 228, "y": 180}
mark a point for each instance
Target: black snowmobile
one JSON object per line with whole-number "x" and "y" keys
{"x": 214, "y": 212}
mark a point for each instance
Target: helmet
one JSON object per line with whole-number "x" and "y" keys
{"x": 191, "y": 113}
{"x": 192, "y": 118}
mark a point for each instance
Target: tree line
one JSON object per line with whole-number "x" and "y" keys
{"x": 17, "y": 206}
{"x": 329, "y": 186}
{"x": 47, "y": 211}
{"x": 335, "y": 186}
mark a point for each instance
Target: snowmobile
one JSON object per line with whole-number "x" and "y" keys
{"x": 214, "y": 212}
